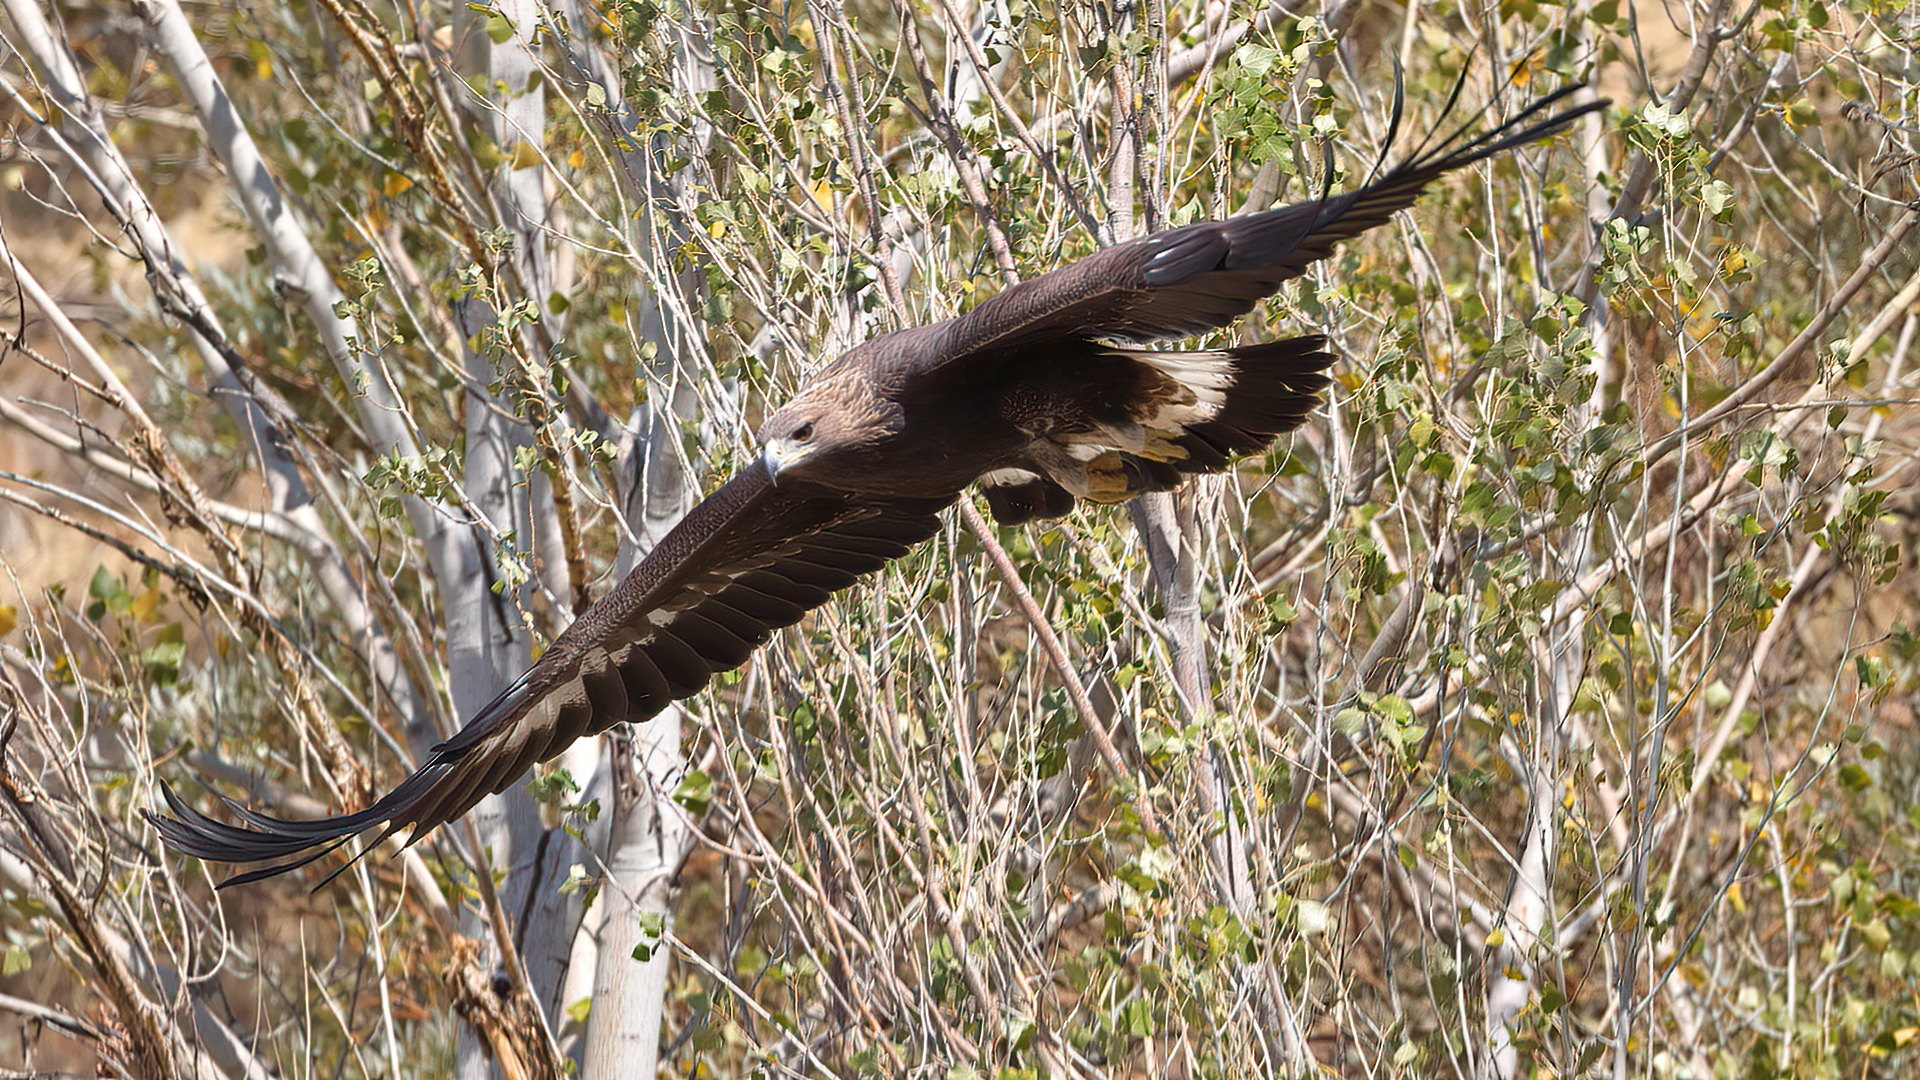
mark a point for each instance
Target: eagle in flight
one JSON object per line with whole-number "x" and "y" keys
{"x": 1045, "y": 394}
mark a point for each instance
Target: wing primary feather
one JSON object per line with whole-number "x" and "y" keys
{"x": 781, "y": 587}
{"x": 764, "y": 608}
{"x": 718, "y": 646}
{"x": 1394, "y": 116}
{"x": 742, "y": 626}
{"x": 679, "y": 663}
{"x": 1454, "y": 95}
{"x": 1484, "y": 144}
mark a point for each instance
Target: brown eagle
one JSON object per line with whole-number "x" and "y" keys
{"x": 1045, "y": 394}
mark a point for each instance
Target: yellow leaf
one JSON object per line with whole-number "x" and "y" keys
{"x": 1891, "y": 1041}
{"x": 9, "y": 618}
{"x": 486, "y": 154}
{"x": 1497, "y": 938}
{"x": 146, "y": 605}
{"x": 576, "y": 159}
{"x": 395, "y": 183}
{"x": 525, "y": 156}
{"x": 716, "y": 229}
{"x": 263, "y": 67}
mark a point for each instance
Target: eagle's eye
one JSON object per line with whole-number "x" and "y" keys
{"x": 803, "y": 433}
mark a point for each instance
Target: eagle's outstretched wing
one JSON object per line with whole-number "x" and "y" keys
{"x": 1203, "y": 276}
{"x": 747, "y": 560}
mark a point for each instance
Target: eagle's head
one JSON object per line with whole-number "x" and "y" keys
{"x": 826, "y": 434}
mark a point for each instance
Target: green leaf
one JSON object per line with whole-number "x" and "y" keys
{"x": 695, "y": 792}
{"x": 1136, "y": 1018}
{"x": 1552, "y": 998}
{"x": 1717, "y": 197}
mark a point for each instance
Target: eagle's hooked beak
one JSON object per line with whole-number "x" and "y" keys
{"x": 793, "y": 445}
{"x": 772, "y": 459}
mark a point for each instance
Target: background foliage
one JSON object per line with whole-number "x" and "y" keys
{"x": 1543, "y": 709}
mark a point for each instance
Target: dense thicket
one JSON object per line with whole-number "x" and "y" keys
{"x": 1543, "y": 709}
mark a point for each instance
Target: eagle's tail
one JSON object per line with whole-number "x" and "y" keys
{"x": 1207, "y": 408}
{"x": 1275, "y": 385}
{"x": 1249, "y": 396}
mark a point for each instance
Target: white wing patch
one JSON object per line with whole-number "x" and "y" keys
{"x": 1207, "y": 376}
{"x": 1192, "y": 389}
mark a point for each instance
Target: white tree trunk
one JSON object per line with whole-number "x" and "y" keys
{"x": 488, "y": 642}
{"x": 648, "y": 836}
{"x": 647, "y": 842}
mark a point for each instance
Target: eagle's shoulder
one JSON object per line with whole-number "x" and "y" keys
{"x": 892, "y": 356}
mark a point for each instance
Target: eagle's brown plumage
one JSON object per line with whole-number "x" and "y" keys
{"x": 1035, "y": 394}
